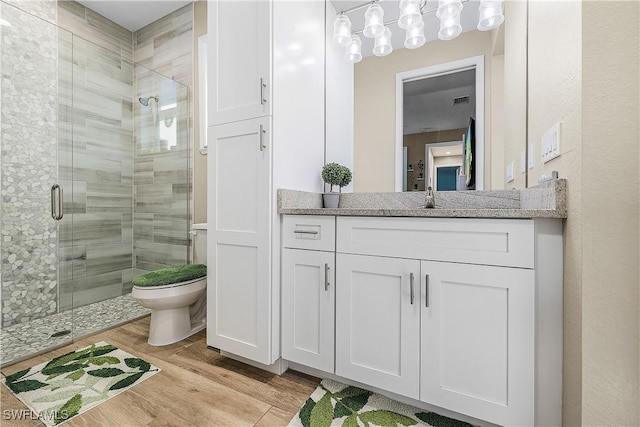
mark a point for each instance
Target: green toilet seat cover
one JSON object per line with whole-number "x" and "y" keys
{"x": 171, "y": 275}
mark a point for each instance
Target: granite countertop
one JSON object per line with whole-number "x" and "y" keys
{"x": 546, "y": 200}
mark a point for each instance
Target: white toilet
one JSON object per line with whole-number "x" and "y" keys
{"x": 178, "y": 310}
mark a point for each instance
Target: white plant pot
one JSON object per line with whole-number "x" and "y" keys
{"x": 331, "y": 200}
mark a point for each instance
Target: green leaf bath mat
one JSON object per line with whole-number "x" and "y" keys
{"x": 333, "y": 404}
{"x": 75, "y": 382}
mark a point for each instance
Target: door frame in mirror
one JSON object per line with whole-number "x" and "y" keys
{"x": 476, "y": 62}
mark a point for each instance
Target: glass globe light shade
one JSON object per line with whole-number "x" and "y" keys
{"x": 448, "y": 8}
{"x": 382, "y": 45}
{"x": 491, "y": 15}
{"x": 415, "y": 36}
{"x": 409, "y": 13}
{"x": 342, "y": 30}
{"x": 353, "y": 52}
{"x": 373, "y": 21}
{"x": 450, "y": 28}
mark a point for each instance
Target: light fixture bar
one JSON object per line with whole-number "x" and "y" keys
{"x": 387, "y": 23}
{"x": 355, "y": 8}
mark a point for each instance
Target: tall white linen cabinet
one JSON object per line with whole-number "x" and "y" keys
{"x": 266, "y": 118}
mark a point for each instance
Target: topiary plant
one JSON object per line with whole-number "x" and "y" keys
{"x": 336, "y": 174}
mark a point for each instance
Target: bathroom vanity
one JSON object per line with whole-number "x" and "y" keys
{"x": 456, "y": 309}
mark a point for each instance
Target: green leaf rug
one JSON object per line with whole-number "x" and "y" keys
{"x": 75, "y": 382}
{"x": 334, "y": 404}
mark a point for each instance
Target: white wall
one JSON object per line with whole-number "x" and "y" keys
{"x": 611, "y": 207}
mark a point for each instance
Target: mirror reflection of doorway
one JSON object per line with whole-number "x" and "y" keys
{"x": 435, "y": 110}
{"x": 443, "y": 155}
{"x": 446, "y": 178}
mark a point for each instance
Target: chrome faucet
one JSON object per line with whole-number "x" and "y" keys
{"x": 429, "y": 200}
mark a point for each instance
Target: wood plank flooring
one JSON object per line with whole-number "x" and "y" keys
{"x": 196, "y": 387}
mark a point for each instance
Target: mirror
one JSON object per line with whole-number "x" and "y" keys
{"x": 378, "y": 159}
{"x": 439, "y": 106}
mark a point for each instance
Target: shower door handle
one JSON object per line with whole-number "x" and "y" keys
{"x": 56, "y": 189}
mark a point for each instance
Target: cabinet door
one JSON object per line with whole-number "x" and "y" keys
{"x": 378, "y": 322}
{"x": 308, "y": 298}
{"x": 478, "y": 341}
{"x": 239, "y": 71}
{"x": 239, "y": 261}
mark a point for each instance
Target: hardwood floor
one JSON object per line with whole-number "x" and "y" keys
{"x": 196, "y": 387}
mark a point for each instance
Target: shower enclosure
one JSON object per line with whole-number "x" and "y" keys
{"x": 94, "y": 165}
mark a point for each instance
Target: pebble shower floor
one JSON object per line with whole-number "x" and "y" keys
{"x": 25, "y": 339}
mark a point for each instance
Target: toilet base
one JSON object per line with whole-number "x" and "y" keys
{"x": 169, "y": 326}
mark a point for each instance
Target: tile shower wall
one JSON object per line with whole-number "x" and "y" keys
{"x": 96, "y": 251}
{"x": 98, "y": 247}
{"x": 161, "y": 176}
{"x": 90, "y": 94}
{"x": 95, "y": 28}
{"x": 29, "y": 159}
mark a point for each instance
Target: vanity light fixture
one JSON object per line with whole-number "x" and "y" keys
{"x": 415, "y": 35}
{"x": 450, "y": 28}
{"x": 342, "y": 30}
{"x": 353, "y": 52}
{"x": 491, "y": 15}
{"x": 382, "y": 46}
{"x": 449, "y": 13}
{"x": 373, "y": 21}
{"x": 411, "y": 12}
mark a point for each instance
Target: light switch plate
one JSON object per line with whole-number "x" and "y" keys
{"x": 531, "y": 151}
{"x": 523, "y": 161}
{"x": 509, "y": 173}
{"x": 550, "y": 145}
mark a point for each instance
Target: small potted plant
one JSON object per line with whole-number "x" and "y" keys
{"x": 334, "y": 175}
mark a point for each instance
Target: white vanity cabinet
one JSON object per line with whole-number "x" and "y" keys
{"x": 478, "y": 340}
{"x": 261, "y": 137}
{"x": 463, "y": 314}
{"x": 308, "y": 291}
{"x": 378, "y": 322}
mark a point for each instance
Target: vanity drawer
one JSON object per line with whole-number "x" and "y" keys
{"x": 501, "y": 242}
{"x": 309, "y": 232}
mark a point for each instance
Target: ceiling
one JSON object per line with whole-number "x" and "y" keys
{"x": 428, "y": 103}
{"x": 452, "y": 150}
{"x": 134, "y": 14}
{"x": 468, "y": 20}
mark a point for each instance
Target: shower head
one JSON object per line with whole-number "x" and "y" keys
{"x": 145, "y": 101}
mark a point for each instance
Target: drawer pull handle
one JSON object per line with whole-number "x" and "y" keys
{"x": 426, "y": 291}
{"x": 411, "y": 282}
{"x": 305, "y": 232}
{"x": 326, "y": 277}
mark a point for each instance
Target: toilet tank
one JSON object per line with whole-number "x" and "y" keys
{"x": 199, "y": 233}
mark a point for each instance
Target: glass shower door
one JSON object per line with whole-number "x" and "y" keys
{"x": 35, "y": 157}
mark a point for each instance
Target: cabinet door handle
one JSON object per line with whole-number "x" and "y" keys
{"x": 305, "y": 232}
{"x": 326, "y": 277}
{"x": 411, "y": 280}
{"x": 261, "y": 142}
{"x": 263, "y": 86}
{"x": 426, "y": 291}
